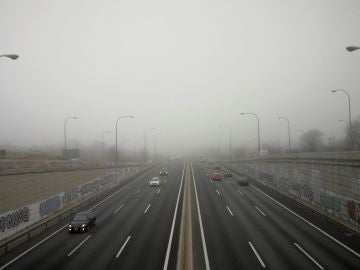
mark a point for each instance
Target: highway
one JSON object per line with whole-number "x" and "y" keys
{"x": 246, "y": 229}
{"x": 132, "y": 231}
{"x": 233, "y": 227}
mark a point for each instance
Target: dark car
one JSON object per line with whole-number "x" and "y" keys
{"x": 164, "y": 172}
{"x": 228, "y": 174}
{"x": 243, "y": 181}
{"x": 82, "y": 221}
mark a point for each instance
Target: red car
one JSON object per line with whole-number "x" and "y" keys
{"x": 216, "y": 176}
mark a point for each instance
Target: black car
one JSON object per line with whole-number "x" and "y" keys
{"x": 243, "y": 181}
{"x": 82, "y": 221}
{"x": 228, "y": 174}
{"x": 164, "y": 172}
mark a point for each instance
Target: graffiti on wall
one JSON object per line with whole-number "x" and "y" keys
{"x": 108, "y": 179}
{"x": 90, "y": 187}
{"x": 353, "y": 209}
{"x": 292, "y": 180}
{"x": 18, "y": 219}
{"x": 330, "y": 202}
{"x": 12, "y": 219}
{"x": 50, "y": 206}
{"x": 71, "y": 194}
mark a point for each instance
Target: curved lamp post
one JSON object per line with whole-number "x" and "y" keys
{"x": 349, "y": 102}
{"x": 229, "y": 130}
{"x": 288, "y": 124}
{"x": 145, "y": 132}
{"x": 155, "y": 147}
{"x": 65, "y": 122}
{"x": 116, "y": 136}
{"x": 258, "y": 122}
{"x": 352, "y": 48}
{"x": 102, "y": 145}
{"x": 11, "y": 56}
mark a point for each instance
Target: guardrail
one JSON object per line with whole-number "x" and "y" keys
{"x": 13, "y": 241}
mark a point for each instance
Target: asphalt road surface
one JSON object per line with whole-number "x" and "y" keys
{"x": 132, "y": 231}
{"x": 246, "y": 229}
{"x": 233, "y": 227}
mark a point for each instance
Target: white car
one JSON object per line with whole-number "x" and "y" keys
{"x": 155, "y": 181}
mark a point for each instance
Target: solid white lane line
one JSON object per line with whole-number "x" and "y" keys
{"x": 257, "y": 208}
{"x": 147, "y": 208}
{"x": 207, "y": 265}
{"x": 157, "y": 192}
{"x": 123, "y": 246}
{"x": 242, "y": 194}
{"x": 173, "y": 223}
{"x": 218, "y": 192}
{"x": 257, "y": 255}
{"x": 231, "y": 213}
{"x": 307, "y": 255}
{"x": 137, "y": 192}
{"x": 117, "y": 210}
{"x": 79, "y": 245}
{"x": 33, "y": 247}
{"x": 308, "y": 222}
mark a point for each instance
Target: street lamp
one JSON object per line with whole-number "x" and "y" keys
{"x": 346, "y": 123}
{"x": 116, "y": 136}
{"x": 146, "y": 130}
{"x": 67, "y": 119}
{"x": 288, "y": 123}
{"x": 352, "y": 48}
{"x": 155, "y": 146}
{"x": 11, "y": 56}
{"x": 102, "y": 145}
{"x": 348, "y": 95}
{"x": 258, "y": 121}
{"x": 229, "y": 129}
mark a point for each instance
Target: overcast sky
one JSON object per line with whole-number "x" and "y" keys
{"x": 184, "y": 67}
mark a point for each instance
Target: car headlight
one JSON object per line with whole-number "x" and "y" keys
{"x": 83, "y": 225}
{"x": 70, "y": 226}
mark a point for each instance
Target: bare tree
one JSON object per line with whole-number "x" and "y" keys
{"x": 312, "y": 140}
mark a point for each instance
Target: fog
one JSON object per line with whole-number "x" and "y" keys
{"x": 183, "y": 67}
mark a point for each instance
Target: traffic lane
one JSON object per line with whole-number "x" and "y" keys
{"x": 103, "y": 251}
{"x": 340, "y": 232}
{"x": 259, "y": 242}
{"x": 40, "y": 254}
{"x": 274, "y": 246}
{"x": 302, "y": 236}
{"x": 104, "y": 247}
{"x": 330, "y": 254}
{"x": 227, "y": 246}
{"x": 105, "y": 244}
{"x": 149, "y": 238}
